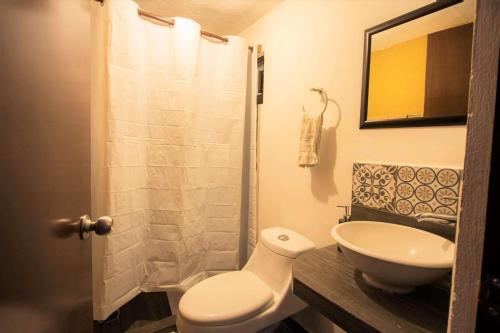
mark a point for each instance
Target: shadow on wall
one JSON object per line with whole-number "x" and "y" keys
{"x": 322, "y": 183}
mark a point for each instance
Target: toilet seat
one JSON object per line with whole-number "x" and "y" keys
{"x": 225, "y": 299}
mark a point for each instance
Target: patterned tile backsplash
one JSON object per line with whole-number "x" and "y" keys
{"x": 406, "y": 190}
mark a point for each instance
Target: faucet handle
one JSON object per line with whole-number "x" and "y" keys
{"x": 346, "y": 208}
{"x": 436, "y": 218}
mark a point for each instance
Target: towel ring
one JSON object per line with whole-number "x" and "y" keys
{"x": 323, "y": 94}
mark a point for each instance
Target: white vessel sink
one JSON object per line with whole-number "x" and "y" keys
{"x": 394, "y": 257}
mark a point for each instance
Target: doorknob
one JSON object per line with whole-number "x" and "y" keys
{"x": 102, "y": 226}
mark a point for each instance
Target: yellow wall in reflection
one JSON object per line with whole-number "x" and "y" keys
{"x": 397, "y": 80}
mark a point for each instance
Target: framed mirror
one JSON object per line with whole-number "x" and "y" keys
{"x": 416, "y": 69}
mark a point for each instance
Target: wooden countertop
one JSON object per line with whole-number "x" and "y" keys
{"x": 325, "y": 280}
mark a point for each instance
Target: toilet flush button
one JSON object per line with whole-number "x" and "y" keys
{"x": 283, "y": 237}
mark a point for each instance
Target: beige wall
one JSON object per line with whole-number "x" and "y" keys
{"x": 319, "y": 43}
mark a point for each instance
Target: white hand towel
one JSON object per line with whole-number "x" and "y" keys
{"x": 310, "y": 139}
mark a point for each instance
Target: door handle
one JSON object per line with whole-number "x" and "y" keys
{"x": 102, "y": 226}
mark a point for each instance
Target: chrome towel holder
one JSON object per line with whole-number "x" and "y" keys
{"x": 323, "y": 94}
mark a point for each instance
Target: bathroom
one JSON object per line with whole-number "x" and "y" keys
{"x": 244, "y": 166}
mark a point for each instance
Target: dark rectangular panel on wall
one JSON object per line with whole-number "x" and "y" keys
{"x": 260, "y": 79}
{"x": 448, "y": 71}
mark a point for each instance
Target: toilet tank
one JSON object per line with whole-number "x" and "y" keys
{"x": 285, "y": 242}
{"x": 272, "y": 258}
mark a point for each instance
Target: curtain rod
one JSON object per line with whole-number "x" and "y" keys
{"x": 170, "y": 22}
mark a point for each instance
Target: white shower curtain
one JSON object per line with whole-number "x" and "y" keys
{"x": 174, "y": 106}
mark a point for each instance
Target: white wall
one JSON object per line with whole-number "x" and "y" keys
{"x": 319, "y": 43}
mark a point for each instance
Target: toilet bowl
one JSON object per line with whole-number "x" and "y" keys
{"x": 252, "y": 299}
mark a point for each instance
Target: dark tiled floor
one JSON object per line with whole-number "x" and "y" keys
{"x": 167, "y": 325}
{"x": 150, "y": 313}
{"x": 145, "y": 309}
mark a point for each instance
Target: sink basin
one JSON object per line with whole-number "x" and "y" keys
{"x": 393, "y": 257}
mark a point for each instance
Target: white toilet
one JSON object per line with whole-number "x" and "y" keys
{"x": 252, "y": 299}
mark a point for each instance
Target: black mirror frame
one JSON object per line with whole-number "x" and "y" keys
{"x": 403, "y": 122}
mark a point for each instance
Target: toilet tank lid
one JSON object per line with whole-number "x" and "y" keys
{"x": 285, "y": 242}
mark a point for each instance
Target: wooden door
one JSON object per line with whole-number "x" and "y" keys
{"x": 45, "y": 279}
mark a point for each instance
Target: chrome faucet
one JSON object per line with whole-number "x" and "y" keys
{"x": 346, "y": 217}
{"x": 450, "y": 220}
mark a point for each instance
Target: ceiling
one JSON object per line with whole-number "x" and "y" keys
{"x": 224, "y": 17}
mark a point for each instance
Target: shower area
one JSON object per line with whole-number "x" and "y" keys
{"x": 172, "y": 119}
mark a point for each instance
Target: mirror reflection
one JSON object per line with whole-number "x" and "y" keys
{"x": 421, "y": 68}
